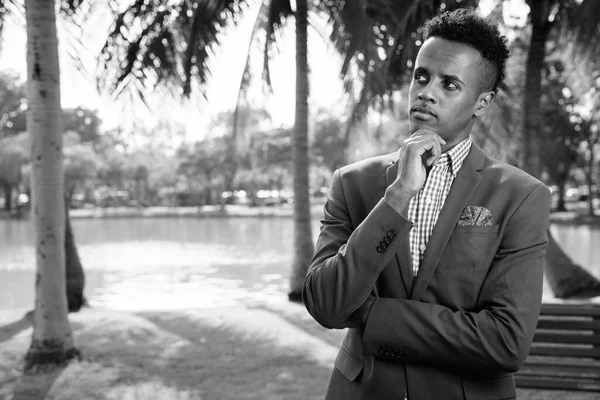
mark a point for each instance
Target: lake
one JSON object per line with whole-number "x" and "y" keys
{"x": 168, "y": 263}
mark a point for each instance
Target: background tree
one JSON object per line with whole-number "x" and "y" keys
{"x": 13, "y": 155}
{"x": 579, "y": 20}
{"x": 80, "y": 165}
{"x": 12, "y": 105}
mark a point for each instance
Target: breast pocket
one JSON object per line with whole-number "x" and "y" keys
{"x": 464, "y": 264}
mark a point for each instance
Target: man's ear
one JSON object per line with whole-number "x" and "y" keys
{"x": 483, "y": 102}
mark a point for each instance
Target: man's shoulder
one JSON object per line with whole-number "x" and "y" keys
{"x": 511, "y": 175}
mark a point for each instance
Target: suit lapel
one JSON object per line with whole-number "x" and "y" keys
{"x": 403, "y": 248}
{"x": 461, "y": 191}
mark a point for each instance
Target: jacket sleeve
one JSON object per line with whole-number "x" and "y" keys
{"x": 495, "y": 338}
{"x": 348, "y": 259}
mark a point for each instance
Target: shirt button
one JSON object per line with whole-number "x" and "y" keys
{"x": 422, "y": 247}
{"x": 428, "y": 200}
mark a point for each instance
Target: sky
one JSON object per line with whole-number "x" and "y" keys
{"x": 78, "y": 89}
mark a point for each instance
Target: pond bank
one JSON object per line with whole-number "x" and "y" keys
{"x": 177, "y": 212}
{"x": 572, "y": 217}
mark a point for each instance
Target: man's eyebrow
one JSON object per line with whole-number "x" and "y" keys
{"x": 453, "y": 78}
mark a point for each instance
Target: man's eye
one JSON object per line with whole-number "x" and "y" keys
{"x": 420, "y": 78}
{"x": 450, "y": 85}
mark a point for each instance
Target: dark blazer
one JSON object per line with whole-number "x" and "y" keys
{"x": 466, "y": 323}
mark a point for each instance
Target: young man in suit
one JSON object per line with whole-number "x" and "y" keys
{"x": 433, "y": 256}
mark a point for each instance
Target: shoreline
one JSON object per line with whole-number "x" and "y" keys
{"x": 229, "y": 211}
{"x": 572, "y": 217}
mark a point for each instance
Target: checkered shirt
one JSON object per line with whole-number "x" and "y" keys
{"x": 425, "y": 207}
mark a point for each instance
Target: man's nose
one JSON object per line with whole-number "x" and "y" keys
{"x": 426, "y": 94}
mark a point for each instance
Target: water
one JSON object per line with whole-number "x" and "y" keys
{"x": 168, "y": 263}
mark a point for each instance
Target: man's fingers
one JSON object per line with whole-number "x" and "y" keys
{"x": 426, "y": 133}
{"x": 431, "y": 160}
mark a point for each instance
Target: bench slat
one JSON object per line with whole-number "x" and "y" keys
{"x": 563, "y": 351}
{"x": 590, "y": 385}
{"x": 551, "y": 337}
{"x": 571, "y": 309}
{"x": 588, "y": 370}
{"x": 569, "y": 324}
{"x": 555, "y": 361}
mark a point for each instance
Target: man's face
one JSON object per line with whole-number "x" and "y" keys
{"x": 444, "y": 91}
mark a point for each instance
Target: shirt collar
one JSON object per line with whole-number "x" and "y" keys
{"x": 457, "y": 155}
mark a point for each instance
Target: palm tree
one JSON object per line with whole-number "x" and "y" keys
{"x": 303, "y": 242}
{"x": 580, "y": 20}
{"x": 173, "y": 48}
{"x": 52, "y": 340}
{"x": 74, "y": 269}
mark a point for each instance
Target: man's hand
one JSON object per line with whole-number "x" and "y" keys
{"x": 420, "y": 150}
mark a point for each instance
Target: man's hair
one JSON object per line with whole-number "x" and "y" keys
{"x": 464, "y": 26}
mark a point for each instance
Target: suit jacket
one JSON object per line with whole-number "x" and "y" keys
{"x": 466, "y": 322}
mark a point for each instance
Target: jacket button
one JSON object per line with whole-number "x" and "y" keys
{"x": 388, "y": 239}
{"x": 391, "y": 232}
{"x": 380, "y": 249}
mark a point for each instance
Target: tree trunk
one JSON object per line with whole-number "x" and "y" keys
{"x": 303, "y": 243}
{"x": 7, "y": 196}
{"x": 74, "y": 270}
{"x": 589, "y": 180}
{"x": 560, "y": 206}
{"x": 565, "y": 278}
{"x": 540, "y": 11}
{"x": 52, "y": 340}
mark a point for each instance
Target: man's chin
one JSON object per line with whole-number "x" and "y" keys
{"x": 415, "y": 124}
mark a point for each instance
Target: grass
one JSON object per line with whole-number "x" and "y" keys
{"x": 273, "y": 351}
{"x": 163, "y": 356}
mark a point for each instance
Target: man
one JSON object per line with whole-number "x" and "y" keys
{"x": 433, "y": 256}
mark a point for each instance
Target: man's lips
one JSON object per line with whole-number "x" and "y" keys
{"x": 422, "y": 112}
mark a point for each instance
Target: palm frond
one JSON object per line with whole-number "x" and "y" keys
{"x": 583, "y": 19}
{"x": 278, "y": 13}
{"x": 378, "y": 39}
{"x": 164, "y": 44}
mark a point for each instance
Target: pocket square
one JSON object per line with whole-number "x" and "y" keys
{"x": 475, "y": 216}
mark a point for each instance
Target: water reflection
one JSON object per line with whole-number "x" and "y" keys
{"x": 181, "y": 263}
{"x": 161, "y": 263}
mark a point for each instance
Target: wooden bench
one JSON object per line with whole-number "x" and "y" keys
{"x": 566, "y": 349}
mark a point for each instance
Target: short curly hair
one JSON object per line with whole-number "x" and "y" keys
{"x": 465, "y": 26}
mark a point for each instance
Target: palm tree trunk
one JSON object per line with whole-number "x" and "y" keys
{"x": 539, "y": 13}
{"x": 52, "y": 340}
{"x": 303, "y": 243}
